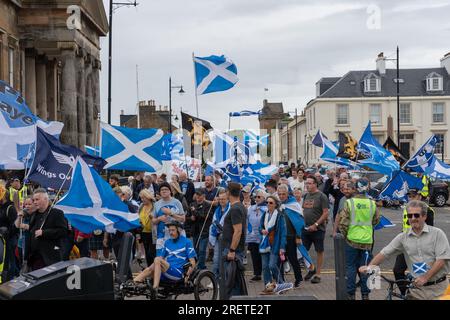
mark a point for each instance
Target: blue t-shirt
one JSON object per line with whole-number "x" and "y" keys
{"x": 178, "y": 252}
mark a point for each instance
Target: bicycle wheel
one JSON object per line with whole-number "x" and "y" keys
{"x": 205, "y": 286}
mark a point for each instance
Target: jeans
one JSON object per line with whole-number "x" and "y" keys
{"x": 356, "y": 258}
{"x": 271, "y": 267}
{"x": 216, "y": 260}
{"x": 201, "y": 250}
{"x": 291, "y": 250}
{"x": 256, "y": 258}
{"x": 236, "y": 290}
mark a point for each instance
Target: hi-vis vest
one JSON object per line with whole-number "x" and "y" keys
{"x": 362, "y": 212}
{"x": 2, "y": 261}
{"x": 22, "y": 193}
{"x": 425, "y": 191}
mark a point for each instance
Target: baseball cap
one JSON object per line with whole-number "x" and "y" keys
{"x": 200, "y": 191}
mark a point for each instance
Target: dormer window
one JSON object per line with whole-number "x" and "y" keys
{"x": 372, "y": 83}
{"x": 434, "y": 82}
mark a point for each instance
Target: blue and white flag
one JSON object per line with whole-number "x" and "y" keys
{"x": 217, "y": 223}
{"x": 229, "y": 149}
{"x": 18, "y": 129}
{"x": 397, "y": 188}
{"x": 330, "y": 151}
{"x": 172, "y": 147}
{"x": 318, "y": 139}
{"x": 423, "y": 158}
{"x": 384, "y": 223}
{"x": 53, "y": 162}
{"x": 245, "y": 113}
{"x": 131, "y": 149}
{"x": 91, "y": 204}
{"x": 93, "y": 151}
{"x": 214, "y": 74}
{"x": 294, "y": 213}
{"x": 420, "y": 268}
{"x": 438, "y": 170}
{"x": 253, "y": 140}
{"x": 269, "y": 225}
{"x": 379, "y": 159}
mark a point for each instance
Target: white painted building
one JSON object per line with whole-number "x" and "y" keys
{"x": 345, "y": 104}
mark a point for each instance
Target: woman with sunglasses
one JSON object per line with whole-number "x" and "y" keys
{"x": 146, "y": 214}
{"x": 273, "y": 243}
{"x": 253, "y": 239}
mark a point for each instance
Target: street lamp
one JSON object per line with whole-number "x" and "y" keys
{"x": 296, "y": 134}
{"x": 111, "y": 10}
{"x": 170, "y": 101}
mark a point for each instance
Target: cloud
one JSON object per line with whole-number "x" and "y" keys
{"x": 283, "y": 45}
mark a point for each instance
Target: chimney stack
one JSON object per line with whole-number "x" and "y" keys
{"x": 381, "y": 64}
{"x": 445, "y": 62}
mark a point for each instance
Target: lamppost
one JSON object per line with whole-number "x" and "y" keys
{"x": 170, "y": 100}
{"x": 296, "y": 134}
{"x": 111, "y": 11}
{"x": 397, "y": 80}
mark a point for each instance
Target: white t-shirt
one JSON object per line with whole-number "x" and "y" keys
{"x": 295, "y": 184}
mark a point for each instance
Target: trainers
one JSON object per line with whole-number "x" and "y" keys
{"x": 283, "y": 287}
{"x": 365, "y": 297}
{"x": 255, "y": 278}
{"x": 310, "y": 274}
{"x": 351, "y": 297}
{"x": 298, "y": 283}
{"x": 287, "y": 267}
{"x": 315, "y": 279}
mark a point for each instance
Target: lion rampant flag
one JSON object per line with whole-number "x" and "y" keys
{"x": 197, "y": 130}
{"x": 347, "y": 147}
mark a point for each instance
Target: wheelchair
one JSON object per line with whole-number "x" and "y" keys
{"x": 201, "y": 283}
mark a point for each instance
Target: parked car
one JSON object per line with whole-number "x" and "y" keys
{"x": 439, "y": 193}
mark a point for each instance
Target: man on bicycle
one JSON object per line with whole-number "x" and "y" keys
{"x": 427, "y": 254}
{"x": 168, "y": 265}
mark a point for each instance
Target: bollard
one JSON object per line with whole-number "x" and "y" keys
{"x": 339, "y": 264}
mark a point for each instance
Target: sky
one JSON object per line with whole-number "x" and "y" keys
{"x": 285, "y": 46}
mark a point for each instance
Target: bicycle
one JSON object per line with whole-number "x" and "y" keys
{"x": 392, "y": 290}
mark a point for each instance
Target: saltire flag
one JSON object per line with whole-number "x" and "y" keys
{"x": 393, "y": 148}
{"x": 91, "y": 204}
{"x": 438, "y": 170}
{"x": 384, "y": 223}
{"x": 197, "y": 131}
{"x": 245, "y": 113}
{"x": 330, "y": 151}
{"x": 423, "y": 158}
{"x": 318, "y": 139}
{"x": 54, "y": 162}
{"x": 172, "y": 147}
{"x": 397, "y": 188}
{"x": 253, "y": 141}
{"x": 378, "y": 158}
{"x": 348, "y": 147}
{"x": 131, "y": 149}
{"x": 93, "y": 151}
{"x": 294, "y": 213}
{"x": 214, "y": 73}
{"x": 18, "y": 129}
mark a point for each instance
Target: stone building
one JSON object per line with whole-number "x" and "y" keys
{"x": 149, "y": 116}
{"x": 50, "y": 51}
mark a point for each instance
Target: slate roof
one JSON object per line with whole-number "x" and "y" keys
{"x": 351, "y": 85}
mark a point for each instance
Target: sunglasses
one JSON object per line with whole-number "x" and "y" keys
{"x": 258, "y": 197}
{"x": 415, "y": 215}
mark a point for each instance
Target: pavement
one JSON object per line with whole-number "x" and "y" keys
{"x": 326, "y": 289}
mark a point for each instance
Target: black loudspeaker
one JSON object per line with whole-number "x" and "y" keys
{"x": 80, "y": 279}
{"x": 274, "y": 297}
{"x": 124, "y": 258}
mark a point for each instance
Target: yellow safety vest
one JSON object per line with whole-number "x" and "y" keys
{"x": 425, "y": 191}
{"x": 362, "y": 212}
{"x": 22, "y": 192}
{"x": 2, "y": 263}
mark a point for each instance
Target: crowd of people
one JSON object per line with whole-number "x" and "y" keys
{"x": 181, "y": 223}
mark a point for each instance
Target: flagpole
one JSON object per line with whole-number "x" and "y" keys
{"x": 229, "y": 122}
{"x": 195, "y": 83}
{"x": 185, "y": 159}
{"x": 60, "y": 188}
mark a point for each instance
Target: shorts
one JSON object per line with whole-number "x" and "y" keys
{"x": 317, "y": 238}
{"x": 172, "y": 274}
